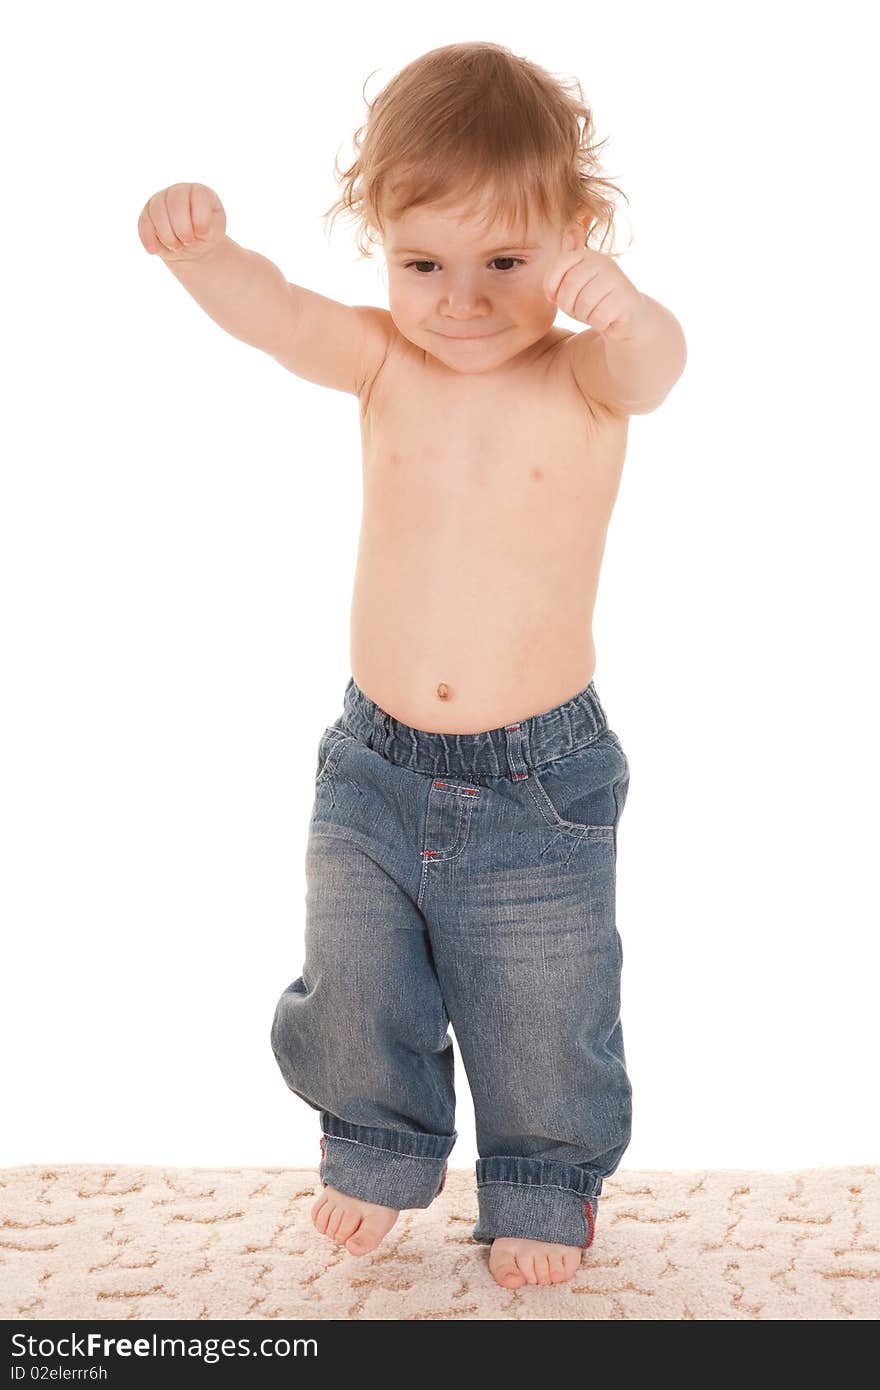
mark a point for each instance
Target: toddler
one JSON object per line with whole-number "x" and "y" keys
{"x": 462, "y": 847}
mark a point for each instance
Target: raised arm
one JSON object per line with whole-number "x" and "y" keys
{"x": 633, "y": 349}
{"x": 319, "y": 339}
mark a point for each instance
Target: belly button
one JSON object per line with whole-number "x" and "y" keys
{"x": 443, "y": 691}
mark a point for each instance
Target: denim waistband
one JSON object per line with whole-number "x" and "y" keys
{"x": 508, "y": 751}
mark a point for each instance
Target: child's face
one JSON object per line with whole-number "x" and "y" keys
{"x": 472, "y": 298}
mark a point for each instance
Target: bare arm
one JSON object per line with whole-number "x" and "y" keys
{"x": 634, "y": 375}
{"x": 319, "y": 339}
{"x": 332, "y": 344}
{"x": 241, "y": 290}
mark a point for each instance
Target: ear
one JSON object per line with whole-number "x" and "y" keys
{"x": 575, "y": 236}
{"x": 571, "y": 241}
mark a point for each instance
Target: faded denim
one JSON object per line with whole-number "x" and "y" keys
{"x": 465, "y": 879}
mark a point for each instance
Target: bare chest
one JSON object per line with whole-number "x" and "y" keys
{"x": 479, "y": 453}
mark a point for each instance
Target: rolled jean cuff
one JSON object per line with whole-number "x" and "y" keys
{"x": 536, "y": 1199}
{"x": 396, "y": 1168}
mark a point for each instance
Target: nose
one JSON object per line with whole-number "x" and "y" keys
{"x": 462, "y": 300}
{"x": 463, "y": 310}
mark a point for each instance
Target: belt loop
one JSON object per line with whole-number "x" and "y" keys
{"x": 515, "y": 760}
{"x": 379, "y": 735}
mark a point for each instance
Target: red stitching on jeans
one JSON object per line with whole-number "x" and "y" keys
{"x": 517, "y": 776}
{"x": 511, "y": 727}
{"x": 472, "y": 791}
{"x": 429, "y": 851}
{"x": 591, "y": 1225}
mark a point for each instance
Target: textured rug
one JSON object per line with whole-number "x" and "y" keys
{"x": 128, "y": 1242}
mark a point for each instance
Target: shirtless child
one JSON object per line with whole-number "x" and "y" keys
{"x": 462, "y": 848}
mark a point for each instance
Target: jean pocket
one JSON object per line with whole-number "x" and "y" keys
{"x": 583, "y": 792}
{"x": 330, "y": 750}
{"x": 610, "y": 734}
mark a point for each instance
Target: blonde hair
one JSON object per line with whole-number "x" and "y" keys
{"x": 469, "y": 121}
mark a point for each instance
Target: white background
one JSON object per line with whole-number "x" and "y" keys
{"x": 178, "y": 526}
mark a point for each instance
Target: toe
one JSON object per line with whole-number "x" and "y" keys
{"x": 571, "y": 1261}
{"x": 526, "y": 1262}
{"x": 337, "y": 1216}
{"x": 321, "y": 1213}
{"x": 542, "y": 1269}
{"x": 365, "y": 1238}
{"x": 355, "y": 1244}
{"x": 503, "y": 1266}
{"x": 557, "y": 1268}
{"x": 506, "y": 1273}
{"x": 349, "y": 1223}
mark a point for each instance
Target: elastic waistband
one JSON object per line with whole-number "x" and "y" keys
{"x": 509, "y": 751}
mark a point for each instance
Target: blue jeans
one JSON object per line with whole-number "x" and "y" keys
{"x": 465, "y": 879}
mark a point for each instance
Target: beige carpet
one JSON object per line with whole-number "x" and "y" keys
{"x": 101, "y": 1241}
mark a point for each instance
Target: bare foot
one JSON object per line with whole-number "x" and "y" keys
{"x": 516, "y": 1260}
{"x": 357, "y": 1225}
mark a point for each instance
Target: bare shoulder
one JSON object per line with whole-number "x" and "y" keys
{"x": 390, "y": 360}
{"x": 378, "y": 333}
{"x": 331, "y": 344}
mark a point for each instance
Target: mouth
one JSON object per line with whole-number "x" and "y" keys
{"x": 469, "y": 337}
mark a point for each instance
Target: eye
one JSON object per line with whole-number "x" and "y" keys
{"x": 512, "y": 260}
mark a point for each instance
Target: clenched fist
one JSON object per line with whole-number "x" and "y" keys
{"x": 182, "y": 223}
{"x": 591, "y": 287}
